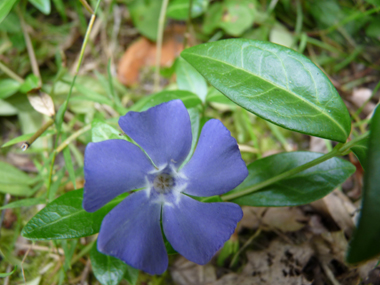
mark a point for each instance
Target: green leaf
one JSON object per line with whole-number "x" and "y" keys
{"x": 145, "y": 14}
{"x": 31, "y": 82}
{"x": 365, "y": 242}
{"x": 65, "y": 218}
{"x": 16, "y": 189}
{"x": 25, "y": 137}
{"x": 11, "y": 175}
{"x": 14, "y": 269}
{"x": 360, "y": 150}
{"x": 101, "y": 131}
{"x": 179, "y": 9}
{"x": 131, "y": 275}
{"x": 107, "y": 269}
{"x": 214, "y": 96}
{"x": 305, "y": 187}
{"x": 42, "y": 5}
{"x": 5, "y": 8}
{"x": 189, "y": 99}
{"x": 275, "y": 83}
{"x": 8, "y": 87}
{"x": 24, "y": 203}
{"x": 188, "y": 78}
{"x": 238, "y": 16}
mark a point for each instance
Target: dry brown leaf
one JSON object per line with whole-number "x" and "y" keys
{"x": 318, "y": 145}
{"x": 42, "y": 103}
{"x": 279, "y": 264}
{"x": 341, "y": 210}
{"x": 285, "y": 219}
{"x": 143, "y": 53}
{"x": 185, "y": 272}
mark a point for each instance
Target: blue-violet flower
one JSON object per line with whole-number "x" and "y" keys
{"x": 132, "y": 230}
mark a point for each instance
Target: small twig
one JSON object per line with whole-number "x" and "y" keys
{"x": 160, "y": 36}
{"x": 29, "y": 47}
{"x": 6, "y": 279}
{"x": 87, "y": 6}
{"x": 37, "y": 134}
{"x": 10, "y": 73}
{"x": 23, "y": 260}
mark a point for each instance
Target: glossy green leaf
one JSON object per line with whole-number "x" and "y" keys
{"x": 188, "y": 78}
{"x": 365, "y": 242}
{"x": 275, "y": 83}
{"x": 25, "y": 137}
{"x": 305, "y": 187}
{"x": 107, "y": 269}
{"x": 65, "y": 218}
{"x": 24, "y": 203}
{"x": 101, "y": 131}
{"x": 43, "y": 5}
{"x": 8, "y": 87}
{"x": 145, "y": 14}
{"x": 214, "y": 96}
{"x": 179, "y": 9}
{"x": 189, "y": 99}
{"x": 5, "y": 8}
{"x": 14, "y": 269}
{"x": 360, "y": 150}
{"x": 31, "y": 82}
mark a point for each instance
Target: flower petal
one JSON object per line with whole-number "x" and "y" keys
{"x": 216, "y": 166}
{"x": 198, "y": 230}
{"x": 111, "y": 168}
{"x": 132, "y": 233}
{"x": 163, "y": 131}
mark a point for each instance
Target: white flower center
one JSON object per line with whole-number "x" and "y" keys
{"x": 163, "y": 183}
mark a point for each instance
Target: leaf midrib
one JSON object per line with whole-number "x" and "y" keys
{"x": 279, "y": 87}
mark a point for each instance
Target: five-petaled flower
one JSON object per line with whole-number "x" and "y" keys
{"x": 132, "y": 230}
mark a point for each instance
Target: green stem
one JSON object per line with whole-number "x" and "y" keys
{"x": 61, "y": 113}
{"x": 160, "y": 36}
{"x": 353, "y": 142}
{"x": 259, "y": 186}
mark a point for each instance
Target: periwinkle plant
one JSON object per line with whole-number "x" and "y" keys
{"x": 275, "y": 83}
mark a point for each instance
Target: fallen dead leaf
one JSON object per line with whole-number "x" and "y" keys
{"x": 279, "y": 264}
{"x": 339, "y": 208}
{"x": 285, "y": 219}
{"x": 185, "y": 272}
{"x": 142, "y": 53}
{"x": 41, "y": 102}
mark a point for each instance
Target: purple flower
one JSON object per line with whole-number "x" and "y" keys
{"x": 132, "y": 230}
